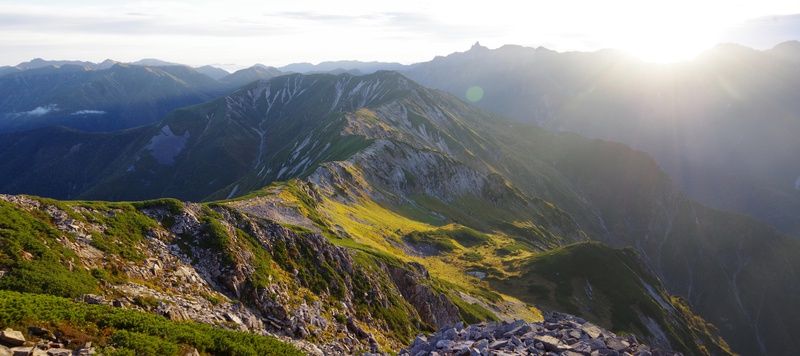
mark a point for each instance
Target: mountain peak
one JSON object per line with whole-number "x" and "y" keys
{"x": 789, "y": 50}
{"x": 477, "y": 47}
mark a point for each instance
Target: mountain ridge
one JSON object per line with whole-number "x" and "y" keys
{"x": 389, "y": 167}
{"x": 716, "y": 115}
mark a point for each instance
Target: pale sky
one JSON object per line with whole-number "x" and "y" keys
{"x": 239, "y": 33}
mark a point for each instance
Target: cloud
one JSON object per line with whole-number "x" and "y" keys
{"x": 42, "y": 110}
{"x": 89, "y": 112}
{"x": 135, "y": 24}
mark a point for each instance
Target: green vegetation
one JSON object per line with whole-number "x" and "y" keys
{"x": 608, "y": 285}
{"x": 396, "y": 315}
{"x": 173, "y": 206}
{"x": 125, "y": 228}
{"x": 129, "y": 332}
{"x": 472, "y": 256}
{"x": 36, "y": 261}
{"x": 472, "y": 313}
{"x": 308, "y": 206}
{"x": 443, "y": 238}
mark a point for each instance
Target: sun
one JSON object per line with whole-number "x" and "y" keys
{"x": 667, "y": 50}
{"x": 668, "y": 31}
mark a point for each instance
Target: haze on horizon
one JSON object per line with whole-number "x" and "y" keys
{"x": 240, "y": 33}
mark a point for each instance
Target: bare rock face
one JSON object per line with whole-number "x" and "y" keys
{"x": 433, "y": 308}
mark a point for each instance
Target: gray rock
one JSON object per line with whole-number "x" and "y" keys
{"x": 592, "y": 330}
{"x": 59, "y": 352}
{"x": 550, "y": 343}
{"x": 519, "y": 330}
{"x": 575, "y": 334}
{"x": 498, "y": 344}
{"x": 445, "y": 344}
{"x": 450, "y": 334}
{"x": 21, "y": 351}
{"x": 582, "y": 347}
{"x": 617, "y": 344}
{"x": 482, "y": 345}
{"x": 12, "y": 337}
{"x": 561, "y": 335}
{"x": 596, "y": 344}
{"x": 572, "y": 353}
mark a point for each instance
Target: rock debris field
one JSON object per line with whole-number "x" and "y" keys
{"x": 559, "y": 334}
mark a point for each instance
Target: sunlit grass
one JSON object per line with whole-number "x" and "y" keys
{"x": 378, "y": 230}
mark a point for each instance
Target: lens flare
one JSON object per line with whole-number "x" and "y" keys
{"x": 474, "y": 94}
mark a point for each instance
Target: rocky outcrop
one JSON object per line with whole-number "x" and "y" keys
{"x": 558, "y": 334}
{"x": 13, "y": 343}
{"x": 433, "y": 308}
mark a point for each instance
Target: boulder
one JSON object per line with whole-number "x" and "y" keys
{"x": 12, "y": 337}
{"x": 548, "y": 342}
{"x": 560, "y": 334}
{"x": 21, "y": 351}
{"x": 592, "y": 330}
{"x": 617, "y": 344}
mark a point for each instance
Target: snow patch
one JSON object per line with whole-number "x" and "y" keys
{"x": 233, "y": 191}
{"x": 165, "y": 146}
{"x": 656, "y": 296}
{"x": 282, "y": 171}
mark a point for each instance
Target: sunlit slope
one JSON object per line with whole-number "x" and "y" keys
{"x": 408, "y": 171}
{"x": 615, "y": 288}
{"x": 213, "y": 265}
{"x": 723, "y": 125}
{"x": 458, "y": 259}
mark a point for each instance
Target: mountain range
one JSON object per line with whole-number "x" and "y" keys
{"x": 498, "y": 214}
{"x": 721, "y": 124}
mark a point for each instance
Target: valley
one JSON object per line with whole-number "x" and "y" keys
{"x": 347, "y": 213}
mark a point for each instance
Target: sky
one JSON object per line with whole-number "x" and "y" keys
{"x": 233, "y": 34}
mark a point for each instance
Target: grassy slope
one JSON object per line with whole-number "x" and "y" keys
{"x": 129, "y": 332}
{"x": 32, "y": 254}
{"x": 609, "y": 286}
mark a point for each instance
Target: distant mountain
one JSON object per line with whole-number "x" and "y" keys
{"x": 331, "y": 66}
{"x": 789, "y": 50}
{"x": 39, "y": 63}
{"x": 119, "y": 97}
{"x": 249, "y": 75}
{"x": 723, "y": 124}
{"x": 380, "y": 163}
{"x": 8, "y": 70}
{"x": 152, "y": 62}
{"x": 213, "y": 72}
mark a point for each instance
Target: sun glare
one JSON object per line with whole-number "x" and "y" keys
{"x": 669, "y": 48}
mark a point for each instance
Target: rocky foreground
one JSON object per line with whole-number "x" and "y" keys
{"x": 13, "y": 343}
{"x": 559, "y": 334}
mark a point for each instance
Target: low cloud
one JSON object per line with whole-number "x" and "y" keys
{"x": 42, "y": 110}
{"x": 89, "y": 112}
